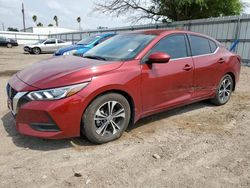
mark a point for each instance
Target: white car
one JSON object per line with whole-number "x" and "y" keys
{"x": 48, "y": 46}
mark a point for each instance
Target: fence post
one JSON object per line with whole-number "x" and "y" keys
{"x": 237, "y": 32}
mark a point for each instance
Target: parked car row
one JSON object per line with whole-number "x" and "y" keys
{"x": 60, "y": 47}
{"x": 9, "y": 43}
{"x": 84, "y": 45}
{"x": 118, "y": 82}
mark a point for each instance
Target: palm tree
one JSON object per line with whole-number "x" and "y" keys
{"x": 78, "y": 19}
{"x": 56, "y": 20}
{"x": 39, "y": 24}
{"x": 34, "y": 17}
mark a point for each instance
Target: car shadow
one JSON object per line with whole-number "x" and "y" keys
{"x": 168, "y": 113}
{"x": 33, "y": 143}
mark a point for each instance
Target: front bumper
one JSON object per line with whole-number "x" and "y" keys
{"x": 47, "y": 119}
{"x": 27, "y": 49}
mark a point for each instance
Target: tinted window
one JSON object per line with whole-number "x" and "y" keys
{"x": 88, "y": 40}
{"x": 2, "y": 39}
{"x": 50, "y": 41}
{"x": 199, "y": 45}
{"x": 213, "y": 46}
{"x": 175, "y": 46}
{"x": 103, "y": 39}
{"x": 60, "y": 41}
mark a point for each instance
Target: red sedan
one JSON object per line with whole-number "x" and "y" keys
{"x": 125, "y": 78}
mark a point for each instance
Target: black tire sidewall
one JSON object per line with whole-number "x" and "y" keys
{"x": 88, "y": 118}
{"x": 9, "y": 45}
{"x": 36, "y": 49}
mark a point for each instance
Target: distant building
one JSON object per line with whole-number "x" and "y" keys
{"x": 47, "y": 30}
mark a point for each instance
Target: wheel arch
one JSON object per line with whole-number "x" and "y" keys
{"x": 36, "y": 47}
{"x": 124, "y": 94}
{"x": 233, "y": 77}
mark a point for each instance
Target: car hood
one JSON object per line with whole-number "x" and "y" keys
{"x": 69, "y": 48}
{"x": 64, "y": 70}
{"x": 32, "y": 45}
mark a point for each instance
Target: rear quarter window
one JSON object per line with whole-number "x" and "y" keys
{"x": 199, "y": 45}
{"x": 213, "y": 46}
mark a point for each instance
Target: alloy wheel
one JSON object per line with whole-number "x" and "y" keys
{"x": 225, "y": 89}
{"x": 109, "y": 118}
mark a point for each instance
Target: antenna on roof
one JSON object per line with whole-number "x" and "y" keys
{"x": 23, "y": 18}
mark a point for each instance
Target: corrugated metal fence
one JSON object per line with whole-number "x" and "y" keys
{"x": 227, "y": 30}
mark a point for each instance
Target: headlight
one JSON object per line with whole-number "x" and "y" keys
{"x": 56, "y": 93}
{"x": 71, "y": 52}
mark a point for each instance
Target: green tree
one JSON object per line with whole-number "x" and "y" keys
{"x": 34, "y": 17}
{"x": 78, "y": 19}
{"x": 170, "y": 10}
{"x": 56, "y": 20}
{"x": 50, "y": 25}
{"x": 39, "y": 24}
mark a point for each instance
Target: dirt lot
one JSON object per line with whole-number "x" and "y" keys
{"x": 199, "y": 145}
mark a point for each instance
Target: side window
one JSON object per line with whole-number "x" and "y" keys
{"x": 175, "y": 46}
{"x": 2, "y": 39}
{"x": 213, "y": 46}
{"x": 60, "y": 41}
{"x": 199, "y": 45}
{"x": 50, "y": 41}
{"x": 103, "y": 39}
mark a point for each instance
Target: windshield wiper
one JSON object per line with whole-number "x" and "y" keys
{"x": 95, "y": 57}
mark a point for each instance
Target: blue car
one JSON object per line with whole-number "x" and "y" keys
{"x": 84, "y": 45}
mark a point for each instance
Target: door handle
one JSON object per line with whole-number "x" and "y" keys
{"x": 221, "y": 60}
{"x": 187, "y": 67}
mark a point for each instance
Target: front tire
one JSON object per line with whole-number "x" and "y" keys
{"x": 224, "y": 90}
{"x": 106, "y": 118}
{"x": 36, "y": 50}
{"x": 9, "y": 45}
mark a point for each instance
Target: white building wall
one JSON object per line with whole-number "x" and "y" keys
{"x": 23, "y": 37}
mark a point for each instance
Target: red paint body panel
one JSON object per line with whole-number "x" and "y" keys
{"x": 152, "y": 87}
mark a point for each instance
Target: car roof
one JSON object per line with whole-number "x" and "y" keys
{"x": 105, "y": 34}
{"x": 170, "y": 31}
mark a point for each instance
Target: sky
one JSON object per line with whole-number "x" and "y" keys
{"x": 66, "y": 10}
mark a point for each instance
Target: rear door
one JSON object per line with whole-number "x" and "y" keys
{"x": 207, "y": 64}
{"x": 168, "y": 84}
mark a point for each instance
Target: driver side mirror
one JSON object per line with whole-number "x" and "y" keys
{"x": 159, "y": 57}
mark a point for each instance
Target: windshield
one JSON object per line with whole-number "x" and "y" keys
{"x": 40, "y": 42}
{"x": 88, "y": 40}
{"x": 120, "y": 47}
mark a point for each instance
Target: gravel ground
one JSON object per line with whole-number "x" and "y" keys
{"x": 199, "y": 145}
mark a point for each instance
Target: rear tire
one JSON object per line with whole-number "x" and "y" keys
{"x": 106, "y": 118}
{"x": 36, "y": 50}
{"x": 9, "y": 45}
{"x": 224, "y": 90}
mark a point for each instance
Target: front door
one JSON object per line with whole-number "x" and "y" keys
{"x": 50, "y": 45}
{"x": 168, "y": 84}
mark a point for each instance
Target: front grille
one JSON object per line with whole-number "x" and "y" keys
{"x": 16, "y": 99}
{"x": 11, "y": 92}
{"x": 23, "y": 100}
